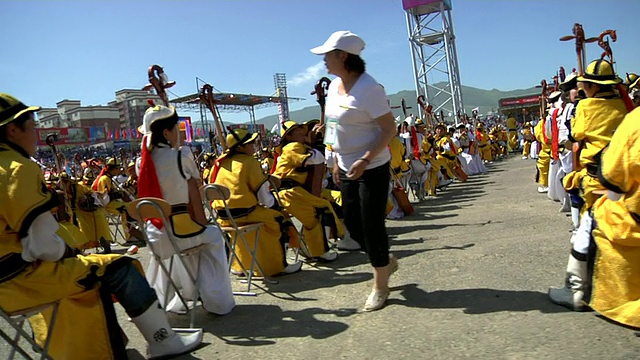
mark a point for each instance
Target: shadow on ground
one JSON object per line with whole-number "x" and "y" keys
{"x": 475, "y": 301}
{"x": 258, "y": 325}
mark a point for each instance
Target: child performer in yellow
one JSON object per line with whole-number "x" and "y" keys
{"x": 315, "y": 213}
{"x": 250, "y": 203}
{"x": 527, "y": 134}
{"x": 597, "y": 117}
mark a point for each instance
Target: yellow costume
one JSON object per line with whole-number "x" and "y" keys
{"x": 397, "y": 149}
{"x": 75, "y": 281}
{"x": 446, "y": 154}
{"x": 93, "y": 224}
{"x": 483, "y": 143}
{"x": 528, "y": 140}
{"x": 595, "y": 121}
{"x": 616, "y": 289}
{"x": 512, "y": 127}
{"x": 313, "y": 212}
{"x": 243, "y": 175}
{"x": 544, "y": 153}
{"x": 105, "y": 185}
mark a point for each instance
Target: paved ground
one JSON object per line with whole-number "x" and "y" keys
{"x": 475, "y": 265}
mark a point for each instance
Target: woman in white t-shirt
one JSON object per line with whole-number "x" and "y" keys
{"x": 359, "y": 127}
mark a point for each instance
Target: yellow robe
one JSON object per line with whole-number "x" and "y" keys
{"x": 616, "y": 278}
{"x": 595, "y": 121}
{"x": 298, "y": 202}
{"x": 74, "y": 281}
{"x": 544, "y": 154}
{"x": 93, "y": 224}
{"x": 447, "y": 158}
{"x": 512, "y": 127}
{"x": 243, "y": 175}
{"x": 483, "y": 144}
{"x": 105, "y": 185}
{"x": 528, "y": 140}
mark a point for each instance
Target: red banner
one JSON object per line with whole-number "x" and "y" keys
{"x": 526, "y": 100}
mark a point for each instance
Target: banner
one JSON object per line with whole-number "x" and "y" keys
{"x": 72, "y": 135}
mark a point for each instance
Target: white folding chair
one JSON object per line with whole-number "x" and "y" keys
{"x": 150, "y": 208}
{"x": 213, "y": 192}
{"x": 16, "y": 320}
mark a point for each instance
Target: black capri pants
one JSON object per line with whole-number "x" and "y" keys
{"x": 364, "y": 202}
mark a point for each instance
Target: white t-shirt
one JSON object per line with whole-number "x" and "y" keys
{"x": 355, "y": 114}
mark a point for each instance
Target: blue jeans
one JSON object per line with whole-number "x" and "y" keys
{"x": 129, "y": 286}
{"x": 364, "y": 203}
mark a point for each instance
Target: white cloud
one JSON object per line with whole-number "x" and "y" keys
{"x": 309, "y": 75}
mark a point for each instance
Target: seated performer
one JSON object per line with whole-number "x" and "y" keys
{"x": 36, "y": 267}
{"x": 113, "y": 198}
{"x": 313, "y": 212}
{"x": 448, "y": 154}
{"x": 604, "y": 264}
{"x": 483, "y": 144}
{"x": 165, "y": 172}
{"x": 250, "y": 203}
{"x": 209, "y": 160}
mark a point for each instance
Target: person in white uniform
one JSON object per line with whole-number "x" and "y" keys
{"x": 164, "y": 171}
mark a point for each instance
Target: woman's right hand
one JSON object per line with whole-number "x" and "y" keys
{"x": 336, "y": 174}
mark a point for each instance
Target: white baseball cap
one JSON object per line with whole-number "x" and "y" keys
{"x": 341, "y": 40}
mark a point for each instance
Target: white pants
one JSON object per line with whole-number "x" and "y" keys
{"x": 582, "y": 237}
{"x": 212, "y": 275}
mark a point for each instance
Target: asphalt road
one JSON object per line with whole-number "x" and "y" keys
{"x": 475, "y": 266}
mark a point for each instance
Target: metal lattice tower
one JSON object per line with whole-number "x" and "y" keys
{"x": 280, "y": 82}
{"x": 433, "y": 50}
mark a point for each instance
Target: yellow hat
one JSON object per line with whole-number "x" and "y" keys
{"x": 631, "y": 80}
{"x": 112, "y": 161}
{"x": 600, "y": 72}
{"x": 237, "y": 137}
{"x": 288, "y": 126}
{"x": 442, "y": 125}
{"x": 419, "y": 122}
{"x": 131, "y": 164}
{"x": 12, "y": 108}
{"x": 527, "y": 124}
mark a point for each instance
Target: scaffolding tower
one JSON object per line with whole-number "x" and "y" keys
{"x": 280, "y": 82}
{"x": 434, "y": 56}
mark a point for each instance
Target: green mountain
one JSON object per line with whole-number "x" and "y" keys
{"x": 485, "y": 100}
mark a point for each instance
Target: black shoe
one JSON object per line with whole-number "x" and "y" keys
{"x": 106, "y": 247}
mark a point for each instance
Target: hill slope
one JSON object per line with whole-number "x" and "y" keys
{"x": 486, "y": 100}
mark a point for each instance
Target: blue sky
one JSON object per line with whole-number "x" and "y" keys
{"x": 87, "y": 50}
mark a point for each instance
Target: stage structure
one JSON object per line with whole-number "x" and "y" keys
{"x": 280, "y": 82}
{"x": 228, "y": 102}
{"x": 434, "y": 55}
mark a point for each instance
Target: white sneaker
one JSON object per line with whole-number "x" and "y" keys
{"x": 525, "y": 157}
{"x": 293, "y": 268}
{"x": 328, "y": 256}
{"x": 347, "y": 244}
{"x": 376, "y": 300}
{"x": 543, "y": 189}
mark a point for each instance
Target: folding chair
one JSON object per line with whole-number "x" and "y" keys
{"x": 149, "y": 208}
{"x": 274, "y": 182}
{"x": 213, "y": 192}
{"x": 115, "y": 225}
{"x": 16, "y": 319}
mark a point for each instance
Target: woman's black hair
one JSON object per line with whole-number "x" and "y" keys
{"x": 159, "y": 126}
{"x": 20, "y": 123}
{"x": 354, "y": 63}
